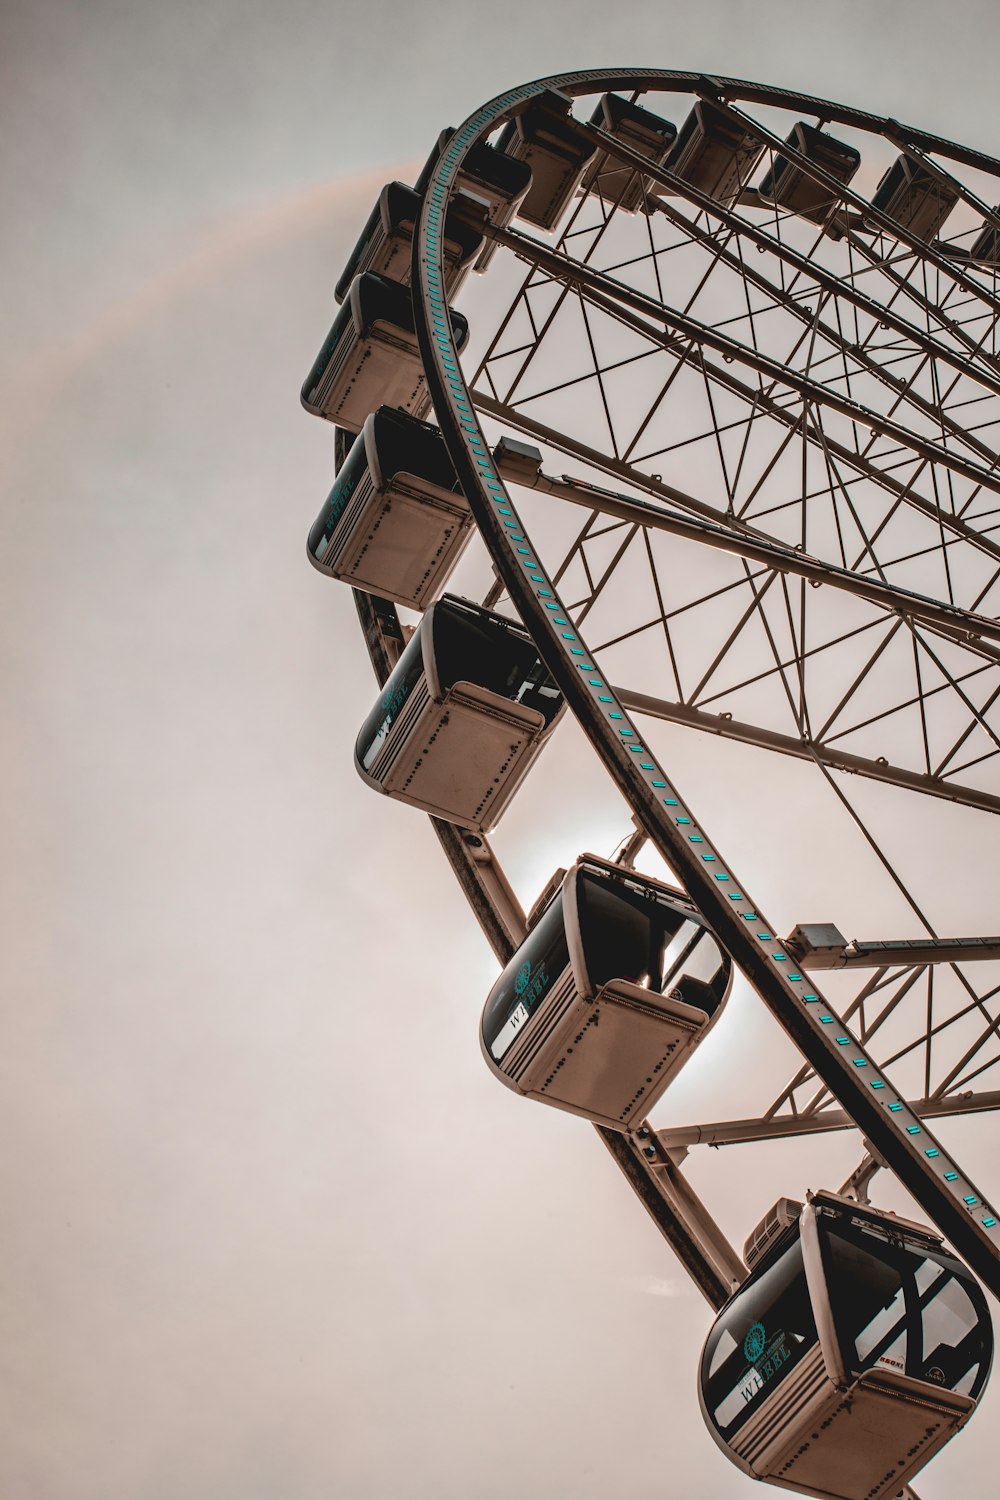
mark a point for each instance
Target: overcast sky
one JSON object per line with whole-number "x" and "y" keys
{"x": 270, "y": 1227}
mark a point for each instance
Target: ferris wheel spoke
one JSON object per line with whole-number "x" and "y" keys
{"x": 604, "y": 292}
{"x": 930, "y": 676}
{"x": 830, "y": 449}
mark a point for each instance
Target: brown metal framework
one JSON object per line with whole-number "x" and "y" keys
{"x": 815, "y": 408}
{"x": 833, "y": 408}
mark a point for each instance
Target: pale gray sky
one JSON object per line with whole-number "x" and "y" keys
{"x": 271, "y": 1229}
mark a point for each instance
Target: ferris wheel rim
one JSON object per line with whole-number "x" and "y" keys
{"x": 456, "y": 414}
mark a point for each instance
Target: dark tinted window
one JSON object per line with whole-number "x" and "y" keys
{"x": 341, "y": 325}
{"x": 904, "y": 1308}
{"x": 405, "y": 445}
{"x": 758, "y": 1340}
{"x": 526, "y": 980}
{"x": 383, "y": 300}
{"x": 631, "y": 932}
{"x": 349, "y": 476}
{"x": 393, "y": 698}
{"x": 472, "y": 645}
{"x": 623, "y": 934}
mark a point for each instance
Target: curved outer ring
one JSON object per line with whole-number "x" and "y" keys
{"x": 958, "y": 1207}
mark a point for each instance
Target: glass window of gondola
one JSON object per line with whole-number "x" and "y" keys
{"x": 348, "y": 477}
{"x": 405, "y": 445}
{"x": 474, "y": 645}
{"x": 758, "y": 1339}
{"x": 526, "y": 980}
{"x": 903, "y": 1306}
{"x": 391, "y": 701}
{"x": 630, "y": 932}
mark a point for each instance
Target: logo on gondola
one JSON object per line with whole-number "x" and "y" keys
{"x": 523, "y": 975}
{"x": 392, "y": 699}
{"x": 753, "y": 1344}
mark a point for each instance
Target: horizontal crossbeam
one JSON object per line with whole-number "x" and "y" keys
{"x": 741, "y": 543}
{"x": 821, "y": 946}
{"x": 778, "y": 1127}
{"x": 786, "y": 744}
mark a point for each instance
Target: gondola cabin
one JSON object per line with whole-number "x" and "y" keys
{"x": 490, "y": 176}
{"x": 914, "y": 197}
{"x": 789, "y": 186}
{"x": 487, "y": 176}
{"x": 396, "y": 520}
{"x": 855, "y": 1349}
{"x": 617, "y": 184}
{"x": 386, "y": 242}
{"x": 370, "y": 357}
{"x": 462, "y": 717}
{"x": 715, "y": 154}
{"x": 617, "y": 982}
{"x": 544, "y": 137}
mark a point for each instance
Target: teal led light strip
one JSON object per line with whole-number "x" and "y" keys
{"x": 930, "y": 1158}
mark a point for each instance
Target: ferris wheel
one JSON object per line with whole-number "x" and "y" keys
{"x": 721, "y": 410}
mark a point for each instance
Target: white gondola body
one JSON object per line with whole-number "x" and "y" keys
{"x": 460, "y": 757}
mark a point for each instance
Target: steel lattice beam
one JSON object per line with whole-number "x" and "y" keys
{"x": 939, "y": 1185}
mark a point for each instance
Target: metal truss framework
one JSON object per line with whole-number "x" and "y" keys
{"x": 830, "y": 395}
